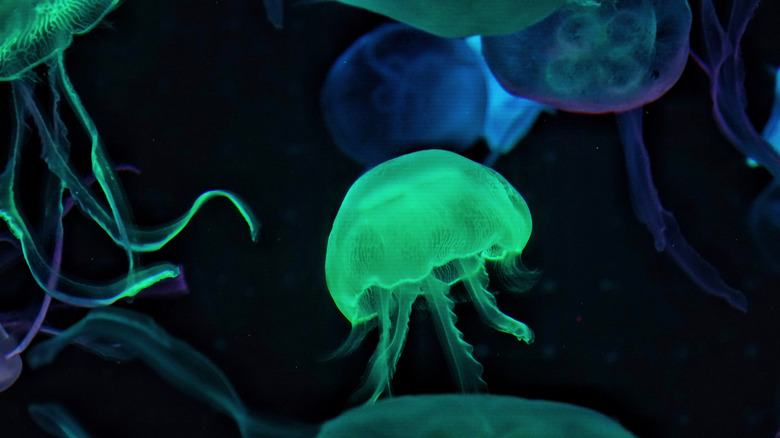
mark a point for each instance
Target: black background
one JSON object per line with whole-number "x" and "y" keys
{"x": 206, "y": 94}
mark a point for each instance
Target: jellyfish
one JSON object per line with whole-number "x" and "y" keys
{"x": 415, "y": 226}
{"x": 595, "y": 57}
{"x": 397, "y": 89}
{"x": 721, "y": 59}
{"x": 610, "y": 56}
{"x": 36, "y": 35}
{"x": 122, "y": 335}
{"x": 457, "y": 415}
{"x": 448, "y": 18}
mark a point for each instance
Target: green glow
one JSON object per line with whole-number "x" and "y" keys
{"x": 33, "y": 31}
{"x": 452, "y": 416}
{"x": 36, "y": 32}
{"x": 462, "y": 18}
{"x": 414, "y": 226}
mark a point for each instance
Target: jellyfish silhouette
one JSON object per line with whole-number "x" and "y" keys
{"x": 414, "y": 226}
{"x": 447, "y": 18}
{"x": 34, "y": 34}
{"x": 612, "y": 56}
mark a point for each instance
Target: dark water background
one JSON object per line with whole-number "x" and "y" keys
{"x": 205, "y": 94}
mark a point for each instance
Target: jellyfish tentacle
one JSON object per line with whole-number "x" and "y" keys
{"x": 141, "y": 239}
{"x": 101, "y": 167}
{"x": 475, "y": 279}
{"x": 660, "y": 222}
{"x": 56, "y": 420}
{"x": 466, "y": 371}
{"x": 10, "y": 367}
{"x": 392, "y": 334}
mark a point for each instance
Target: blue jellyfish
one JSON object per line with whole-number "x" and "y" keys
{"x": 595, "y": 57}
{"x": 721, "y": 59}
{"x": 398, "y": 89}
{"x": 765, "y": 211}
{"x": 598, "y": 57}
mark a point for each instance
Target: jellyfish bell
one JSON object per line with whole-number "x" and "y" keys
{"x": 33, "y": 32}
{"x": 414, "y": 226}
{"x": 595, "y": 57}
{"x": 446, "y": 18}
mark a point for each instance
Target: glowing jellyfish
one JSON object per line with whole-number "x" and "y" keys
{"x": 477, "y": 415}
{"x": 415, "y": 226}
{"x": 595, "y": 57}
{"x": 398, "y": 89}
{"x": 449, "y": 18}
{"x": 33, "y": 34}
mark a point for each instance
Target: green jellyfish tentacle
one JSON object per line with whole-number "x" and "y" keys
{"x": 142, "y": 239}
{"x": 67, "y": 290}
{"x": 377, "y": 379}
{"x": 475, "y": 279}
{"x": 174, "y": 360}
{"x": 466, "y": 371}
{"x": 102, "y": 168}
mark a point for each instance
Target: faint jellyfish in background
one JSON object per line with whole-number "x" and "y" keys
{"x": 508, "y": 118}
{"x": 121, "y": 335}
{"x": 610, "y": 56}
{"x": 416, "y": 226}
{"x": 398, "y": 89}
{"x": 447, "y": 18}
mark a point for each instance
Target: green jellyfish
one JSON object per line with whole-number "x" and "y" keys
{"x": 35, "y": 34}
{"x": 449, "y": 18}
{"x": 458, "y": 415}
{"x": 415, "y": 226}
